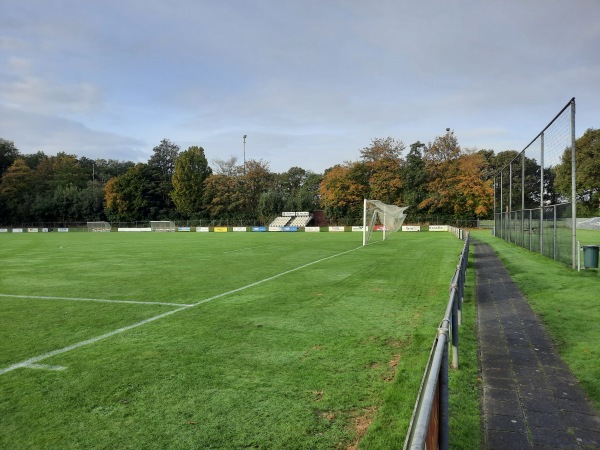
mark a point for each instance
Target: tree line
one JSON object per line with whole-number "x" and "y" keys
{"x": 439, "y": 178}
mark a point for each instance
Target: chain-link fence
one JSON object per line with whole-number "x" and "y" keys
{"x": 528, "y": 210}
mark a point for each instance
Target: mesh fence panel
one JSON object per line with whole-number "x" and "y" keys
{"x": 528, "y": 210}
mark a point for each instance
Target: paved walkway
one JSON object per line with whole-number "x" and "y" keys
{"x": 530, "y": 397}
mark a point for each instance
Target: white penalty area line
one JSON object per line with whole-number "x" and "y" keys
{"x": 33, "y": 362}
{"x": 99, "y": 300}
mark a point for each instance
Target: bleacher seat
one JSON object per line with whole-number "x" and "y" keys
{"x": 300, "y": 221}
{"x": 280, "y": 221}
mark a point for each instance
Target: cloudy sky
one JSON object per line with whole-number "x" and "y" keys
{"x": 310, "y": 82}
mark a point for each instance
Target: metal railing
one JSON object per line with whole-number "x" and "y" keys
{"x": 429, "y": 423}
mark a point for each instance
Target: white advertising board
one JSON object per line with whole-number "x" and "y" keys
{"x": 134, "y": 229}
{"x": 411, "y": 228}
{"x": 358, "y": 228}
{"x": 17, "y": 230}
{"x": 202, "y": 229}
{"x": 336, "y": 228}
{"x": 438, "y": 227}
{"x": 274, "y": 228}
{"x": 239, "y": 229}
{"x": 312, "y": 229}
{"x": 63, "y": 230}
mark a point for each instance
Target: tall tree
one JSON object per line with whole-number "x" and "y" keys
{"x": 128, "y": 196}
{"x": 343, "y": 189}
{"x": 383, "y": 162}
{"x": 307, "y": 196}
{"x": 415, "y": 176}
{"x": 256, "y": 180}
{"x": 162, "y": 166}
{"x": 457, "y": 184}
{"x": 18, "y": 191}
{"x": 8, "y": 154}
{"x": 473, "y": 193}
{"x": 440, "y": 159}
{"x": 191, "y": 170}
{"x": 222, "y": 196}
{"x": 383, "y": 148}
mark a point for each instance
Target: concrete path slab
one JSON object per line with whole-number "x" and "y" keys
{"x": 531, "y": 400}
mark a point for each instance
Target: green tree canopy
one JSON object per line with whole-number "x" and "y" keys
{"x": 8, "y": 154}
{"x": 18, "y": 190}
{"x": 191, "y": 170}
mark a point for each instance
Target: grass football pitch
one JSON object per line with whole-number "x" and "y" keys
{"x": 209, "y": 340}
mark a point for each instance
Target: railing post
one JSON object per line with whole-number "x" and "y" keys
{"x": 454, "y": 330}
{"x": 444, "y": 430}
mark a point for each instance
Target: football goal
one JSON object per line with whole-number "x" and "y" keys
{"x": 379, "y": 215}
{"x": 162, "y": 225}
{"x": 98, "y": 226}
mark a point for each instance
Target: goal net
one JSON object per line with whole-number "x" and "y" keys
{"x": 98, "y": 226}
{"x": 379, "y": 215}
{"x": 162, "y": 225}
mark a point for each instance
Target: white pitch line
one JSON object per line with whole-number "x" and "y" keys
{"x": 36, "y": 359}
{"x": 33, "y": 361}
{"x": 100, "y": 300}
{"x": 273, "y": 277}
{"x": 45, "y": 367}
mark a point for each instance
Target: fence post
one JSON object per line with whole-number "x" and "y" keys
{"x": 575, "y": 248}
{"x": 444, "y": 430}
{"x": 454, "y": 329}
{"x": 555, "y": 231}
{"x": 542, "y": 195}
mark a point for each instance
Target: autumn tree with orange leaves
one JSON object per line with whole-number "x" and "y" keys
{"x": 457, "y": 185}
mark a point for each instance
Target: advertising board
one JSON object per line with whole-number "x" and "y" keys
{"x": 438, "y": 227}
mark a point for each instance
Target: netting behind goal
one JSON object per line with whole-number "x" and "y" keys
{"x": 98, "y": 226}
{"x": 162, "y": 225}
{"x": 389, "y": 218}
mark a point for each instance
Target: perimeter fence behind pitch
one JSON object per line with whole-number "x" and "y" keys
{"x": 527, "y": 209}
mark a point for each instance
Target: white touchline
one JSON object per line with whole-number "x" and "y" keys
{"x": 100, "y": 300}
{"x": 33, "y": 361}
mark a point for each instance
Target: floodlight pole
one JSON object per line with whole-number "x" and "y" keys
{"x": 245, "y": 136}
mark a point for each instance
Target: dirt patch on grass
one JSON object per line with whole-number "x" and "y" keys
{"x": 390, "y": 374}
{"x": 360, "y": 425}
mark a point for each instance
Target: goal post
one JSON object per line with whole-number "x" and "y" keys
{"x": 390, "y": 217}
{"x": 162, "y": 225}
{"x": 98, "y": 226}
